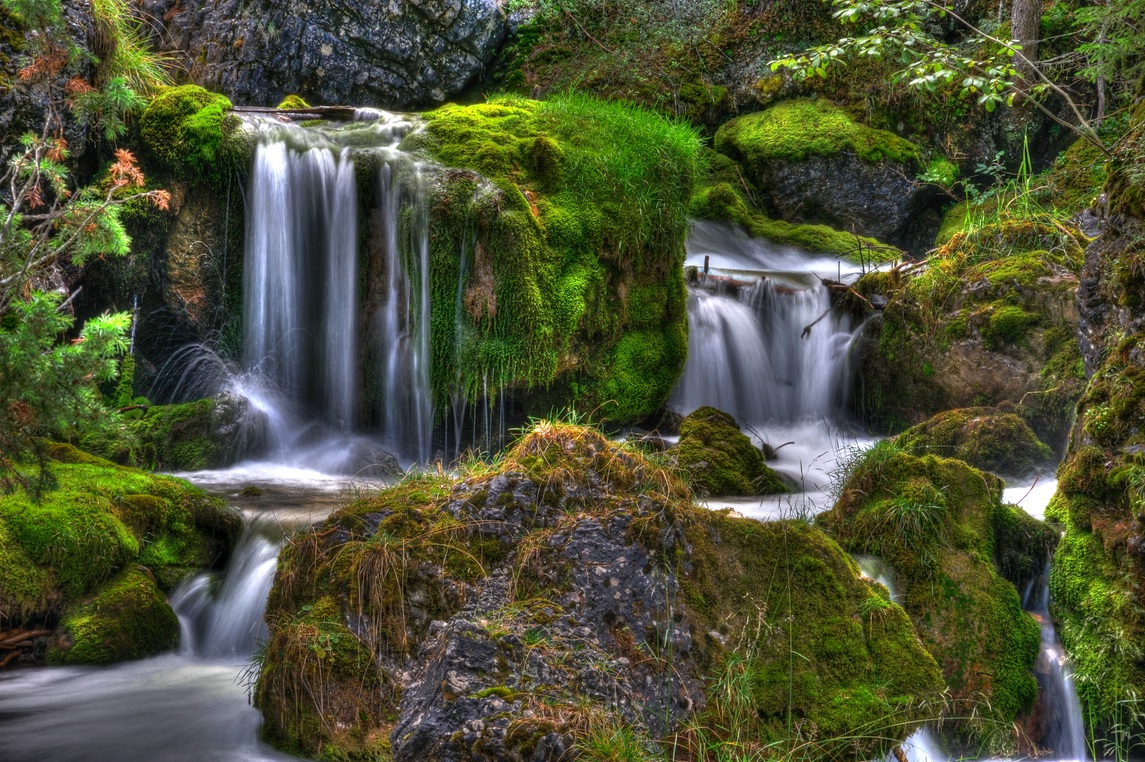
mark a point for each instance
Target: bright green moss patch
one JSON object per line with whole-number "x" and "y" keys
{"x": 191, "y": 133}
{"x": 293, "y": 101}
{"x": 936, "y": 521}
{"x": 720, "y": 460}
{"x": 128, "y": 618}
{"x": 985, "y": 438}
{"x": 98, "y": 520}
{"x": 573, "y": 256}
{"x": 794, "y": 130}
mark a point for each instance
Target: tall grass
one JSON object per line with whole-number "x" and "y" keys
{"x": 123, "y": 51}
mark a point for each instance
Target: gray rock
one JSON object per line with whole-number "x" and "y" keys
{"x": 877, "y": 199}
{"x": 401, "y": 55}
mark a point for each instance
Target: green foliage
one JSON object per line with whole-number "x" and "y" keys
{"x": 190, "y": 132}
{"x": 121, "y": 46}
{"x": 49, "y": 383}
{"x": 579, "y": 243}
{"x": 1114, "y": 35}
{"x": 794, "y": 130}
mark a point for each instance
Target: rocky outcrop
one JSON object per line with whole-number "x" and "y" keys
{"x": 390, "y": 55}
{"x": 1099, "y": 567}
{"x": 572, "y": 595}
{"x": 815, "y": 164}
{"x": 941, "y": 526}
{"x": 990, "y": 319}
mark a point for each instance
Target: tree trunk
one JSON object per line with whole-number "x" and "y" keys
{"x": 1025, "y": 23}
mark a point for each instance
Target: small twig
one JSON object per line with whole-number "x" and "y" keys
{"x": 587, "y": 34}
{"x": 807, "y": 328}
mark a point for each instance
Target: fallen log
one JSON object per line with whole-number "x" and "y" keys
{"x": 333, "y": 113}
{"x": 8, "y": 659}
{"x": 16, "y": 638}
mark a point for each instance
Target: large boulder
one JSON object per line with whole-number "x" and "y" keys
{"x": 815, "y": 164}
{"x": 392, "y": 55}
{"x": 570, "y": 595}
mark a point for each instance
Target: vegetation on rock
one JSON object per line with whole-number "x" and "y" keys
{"x": 720, "y": 460}
{"x": 70, "y": 558}
{"x": 435, "y": 604}
{"x": 191, "y": 134}
{"x": 987, "y": 438}
{"x": 939, "y": 524}
{"x": 576, "y": 266}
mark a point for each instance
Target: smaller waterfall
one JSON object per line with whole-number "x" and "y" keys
{"x": 228, "y": 622}
{"x": 1059, "y": 712}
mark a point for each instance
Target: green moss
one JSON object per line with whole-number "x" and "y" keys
{"x": 191, "y": 133}
{"x": 720, "y": 460}
{"x": 190, "y": 436}
{"x": 795, "y": 130}
{"x": 985, "y": 438}
{"x": 292, "y": 102}
{"x": 587, "y": 211}
{"x": 936, "y": 521}
{"x": 127, "y": 618}
{"x": 1008, "y": 324}
{"x": 98, "y": 520}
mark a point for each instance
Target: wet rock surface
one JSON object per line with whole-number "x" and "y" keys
{"x": 390, "y": 55}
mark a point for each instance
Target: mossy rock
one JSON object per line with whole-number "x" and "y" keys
{"x": 794, "y": 130}
{"x": 570, "y": 215}
{"x": 986, "y": 438}
{"x": 292, "y": 102}
{"x": 433, "y": 555}
{"x": 938, "y": 523}
{"x": 97, "y": 521}
{"x": 721, "y": 460}
{"x": 127, "y": 618}
{"x": 192, "y": 134}
{"x": 723, "y": 195}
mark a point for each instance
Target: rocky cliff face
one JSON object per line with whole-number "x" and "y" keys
{"x": 392, "y": 55}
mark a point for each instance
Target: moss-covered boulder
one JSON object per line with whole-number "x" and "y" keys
{"x": 572, "y": 594}
{"x": 986, "y": 438}
{"x": 191, "y": 133}
{"x": 719, "y": 459}
{"x": 81, "y": 551}
{"x": 126, "y": 618}
{"x": 940, "y": 525}
{"x": 815, "y": 164}
{"x": 991, "y": 318}
{"x": 725, "y": 194}
{"x": 570, "y": 217}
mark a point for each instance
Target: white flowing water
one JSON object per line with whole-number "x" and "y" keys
{"x": 765, "y": 346}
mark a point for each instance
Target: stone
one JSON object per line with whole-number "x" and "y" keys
{"x": 392, "y": 55}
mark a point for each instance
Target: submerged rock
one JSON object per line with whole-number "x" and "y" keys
{"x": 986, "y": 438}
{"x": 568, "y": 595}
{"x": 392, "y": 55}
{"x": 721, "y": 460}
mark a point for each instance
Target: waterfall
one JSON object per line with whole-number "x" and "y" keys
{"x": 304, "y": 319}
{"x": 300, "y": 280}
{"x": 1058, "y": 705}
{"x": 223, "y": 617}
{"x": 764, "y": 344}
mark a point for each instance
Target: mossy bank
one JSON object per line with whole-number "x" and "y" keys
{"x": 89, "y": 559}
